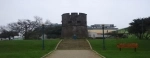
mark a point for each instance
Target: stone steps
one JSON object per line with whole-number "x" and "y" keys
{"x": 71, "y": 44}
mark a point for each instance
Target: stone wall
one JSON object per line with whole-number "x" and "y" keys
{"x": 74, "y": 24}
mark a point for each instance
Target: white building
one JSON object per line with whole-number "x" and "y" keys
{"x": 97, "y": 31}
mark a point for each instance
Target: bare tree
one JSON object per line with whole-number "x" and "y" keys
{"x": 48, "y": 22}
{"x": 26, "y": 26}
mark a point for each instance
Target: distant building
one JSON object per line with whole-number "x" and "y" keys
{"x": 96, "y": 30}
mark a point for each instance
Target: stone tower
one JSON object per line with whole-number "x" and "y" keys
{"x": 74, "y": 24}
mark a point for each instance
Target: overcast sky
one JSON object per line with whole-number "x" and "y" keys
{"x": 117, "y": 12}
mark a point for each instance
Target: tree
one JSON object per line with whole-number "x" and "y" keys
{"x": 26, "y": 26}
{"x": 53, "y": 31}
{"x": 47, "y": 22}
{"x": 140, "y": 28}
{"x": 8, "y": 34}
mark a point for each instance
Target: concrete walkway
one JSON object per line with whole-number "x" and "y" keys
{"x": 73, "y": 54}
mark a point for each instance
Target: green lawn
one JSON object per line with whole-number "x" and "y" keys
{"x": 143, "y": 51}
{"x": 25, "y": 48}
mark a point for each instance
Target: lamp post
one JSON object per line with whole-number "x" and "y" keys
{"x": 43, "y": 47}
{"x": 103, "y": 38}
{"x": 142, "y": 28}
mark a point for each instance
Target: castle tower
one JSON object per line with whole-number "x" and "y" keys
{"x": 74, "y": 24}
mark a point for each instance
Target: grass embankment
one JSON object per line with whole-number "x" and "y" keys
{"x": 143, "y": 51}
{"x": 25, "y": 48}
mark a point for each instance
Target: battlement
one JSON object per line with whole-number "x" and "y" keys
{"x": 73, "y": 13}
{"x": 82, "y": 14}
{"x": 67, "y": 14}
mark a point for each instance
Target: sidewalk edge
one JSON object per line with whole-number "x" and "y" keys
{"x": 52, "y": 50}
{"x": 94, "y": 50}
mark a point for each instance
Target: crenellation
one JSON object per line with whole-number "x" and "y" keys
{"x": 74, "y": 13}
{"x": 66, "y": 14}
{"x": 82, "y": 14}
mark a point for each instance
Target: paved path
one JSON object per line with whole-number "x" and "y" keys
{"x": 73, "y": 54}
{"x": 70, "y": 44}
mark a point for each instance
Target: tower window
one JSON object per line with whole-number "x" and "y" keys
{"x": 69, "y": 22}
{"x": 78, "y": 21}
